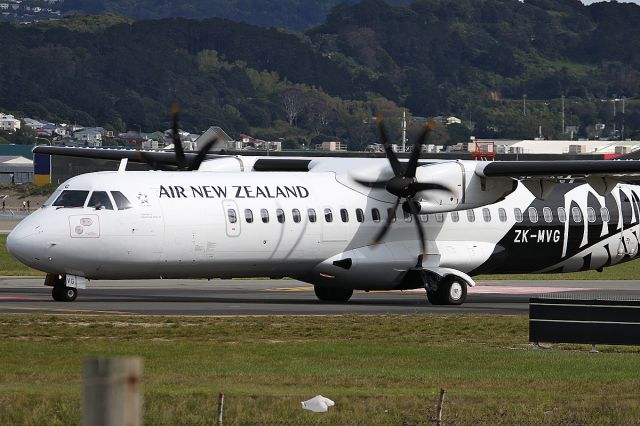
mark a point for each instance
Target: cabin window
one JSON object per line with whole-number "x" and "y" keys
{"x": 375, "y": 215}
{"x": 71, "y": 198}
{"x": 296, "y": 215}
{"x": 264, "y": 214}
{"x": 359, "y": 215}
{"x": 502, "y": 214}
{"x": 455, "y": 216}
{"x": 328, "y": 215}
{"x": 407, "y": 216}
{"x": 121, "y": 201}
{"x": 604, "y": 212}
{"x": 577, "y": 214}
{"x": 100, "y": 201}
{"x": 391, "y": 213}
{"x": 231, "y": 214}
{"x": 486, "y": 214}
{"x": 517, "y": 215}
{"x": 591, "y": 214}
{"x": 248, "y": 216}
{"x": 547, "y": 214}
{"x": 533, "y": 215}
{"x": 471, "y": 216}
{"x": 562, "y": 214}
{"x": 424, "y": 218}
{"x": 312, "y": 215}
{"x": 280, "y": 215}
{"x": 439, "y": 217}
{"x": 344, "y": 215}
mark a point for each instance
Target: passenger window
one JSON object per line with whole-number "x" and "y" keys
{"x": 439, "y": 217}
{"x": 407, "y": 216}
{"x": 547, "y": 214}
{"x": 248, "y": 216}
{"x": 296, "y": 215}
{"x": 391, "y": 214}
{"x": 517, "y": 214}
{"x": 502, "y": 214}
{"x": 375, "y": 215}
{"x": 424, "y": 218}
{"x": 71, "y": 198}
{"x": 455, "y": 216}
{"x": 280, "y": 215}
{"x": 359, "y": 215}
{"x": 562, "y": 214}
{"x": 486, "y": 214}
{"x": 312, "y": 215}
{"x": 533, "y": 215}
{"x": 231, "y": 214}
{"x": 604, "y": 212}
{"x": 264, "y": 214}
{"x": 591, "y": 214}
{"x": 121, "y": 201}
{"x": 344, "y": 215}
{"x": 577, "y": 214}
{"x": 328, "y": 215}
{"x": 100, "y": 201}
{"x": 471, "y": 216}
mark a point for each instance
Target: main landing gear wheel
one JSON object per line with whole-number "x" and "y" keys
{"x": 451, "y": 291}
{"x": 64, "y": 294}
{"x": 332, "y": 294}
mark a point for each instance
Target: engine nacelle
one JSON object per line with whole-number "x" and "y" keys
{"x": 461, "y": 187}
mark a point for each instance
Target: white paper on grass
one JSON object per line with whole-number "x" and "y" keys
{"x": 318, "y": 404}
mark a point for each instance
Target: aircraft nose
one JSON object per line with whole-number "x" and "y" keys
{"x": 22, "y": 242}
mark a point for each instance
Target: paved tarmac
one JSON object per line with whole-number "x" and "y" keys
{"x": 282, "y": 297}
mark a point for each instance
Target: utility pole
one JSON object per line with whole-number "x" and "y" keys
{"x": 404, "y": 130}
{"x": 563, "y": 131}
{"x": 622, "y": 132}
{"x": 524, "y": 105}
{"x": 614, "y": 118}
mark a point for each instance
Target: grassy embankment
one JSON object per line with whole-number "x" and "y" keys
{"x": 9, "y": 266}
{"x": 379, "y": 370}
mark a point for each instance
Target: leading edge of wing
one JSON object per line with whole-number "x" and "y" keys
{"x": 560, "y": 168}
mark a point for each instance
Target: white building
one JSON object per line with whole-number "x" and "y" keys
{"x": 8, "y": 123}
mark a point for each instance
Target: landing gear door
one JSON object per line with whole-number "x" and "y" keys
{"x": 231, "y": 218}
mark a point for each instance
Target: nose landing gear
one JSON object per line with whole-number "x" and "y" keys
{"x": 60, "y": 291}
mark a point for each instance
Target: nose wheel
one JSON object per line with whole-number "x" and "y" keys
{"x": 64, "y": 294}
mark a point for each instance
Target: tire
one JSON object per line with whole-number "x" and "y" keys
{"x": 332, "y": 294}
{"x": 64, "y": 294}
{"x": 452, "y": 290}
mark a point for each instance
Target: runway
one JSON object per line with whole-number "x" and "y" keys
{"x": 281, "y": 297}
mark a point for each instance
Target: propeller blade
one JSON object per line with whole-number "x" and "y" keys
{"x": 425, "y": 186}
{"x": 416, "y": 217}
{"x": 391, "y": 156}
{"x": 417, "y": 148}
{"x": 387, "y": 224}
{"x": 154, "y": 164}
{"x": 379, "y": 184}
{"x": 202, "y": 153}
{"x": 177, "y": 143}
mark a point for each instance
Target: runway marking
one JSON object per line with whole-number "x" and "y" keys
{"x": 499, "y": 289}
{"x": 300, "y": 288}
{"x": 46, "y": 310}
{"x": 22, "y": 298}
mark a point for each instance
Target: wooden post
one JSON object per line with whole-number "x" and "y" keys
{"x": 440, "y": 406}
{"x": 220, "y": 408}
{"x": 112, "y": 392}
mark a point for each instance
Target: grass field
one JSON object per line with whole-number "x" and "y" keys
{"x": 383, "y": 370}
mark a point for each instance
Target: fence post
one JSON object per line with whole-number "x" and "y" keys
{"x": 440, "y": 406}
{"x": 220, "y": 409}
{"x": 112, "y": 393}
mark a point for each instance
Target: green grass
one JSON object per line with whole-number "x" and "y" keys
{"x": 378, "y": 369}
{"x": 9, "y": 266}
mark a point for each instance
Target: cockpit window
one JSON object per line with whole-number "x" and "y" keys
{"x": 121, "y": 201}
{"x": 52, "y": 198}
{"x": 71, "y": 198}
{"x": 100, "y": 200}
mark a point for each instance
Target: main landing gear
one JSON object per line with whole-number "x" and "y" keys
{"x": 451, "y": 290}
{"x": 60, "y": 292}
{"x": 332, "y": 294}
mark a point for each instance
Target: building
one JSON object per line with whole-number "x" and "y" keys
{"x": 9, "y": 123}
{"x": 331, "y": 146}
{"x": 15, "y": 169}
{"x": 90, "y": 137}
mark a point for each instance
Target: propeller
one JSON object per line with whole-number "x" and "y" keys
{"x": 403, "y": 184}
{"x": 182, "y": 163}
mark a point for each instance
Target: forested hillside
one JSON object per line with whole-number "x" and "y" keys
{"x": 473, "y": 59}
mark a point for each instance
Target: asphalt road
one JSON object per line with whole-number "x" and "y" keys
{"x": 281, "y": 297}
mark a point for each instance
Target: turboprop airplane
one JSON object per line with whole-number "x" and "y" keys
{"x": 341, "y": 224}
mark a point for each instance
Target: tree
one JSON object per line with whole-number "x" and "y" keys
{"x": 293, "y": 104}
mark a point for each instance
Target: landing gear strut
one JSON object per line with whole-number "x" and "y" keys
{"x": 451, "y": 290}
{"x": 60, "y": 292}
{"x": 332, "y": 294}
